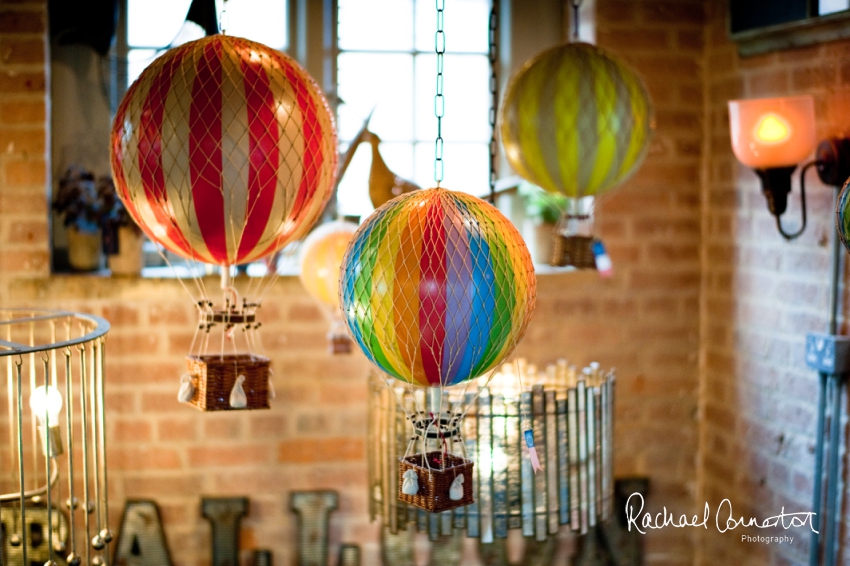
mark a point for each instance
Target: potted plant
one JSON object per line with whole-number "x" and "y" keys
{"x": 542, "y": 212}
{"x": 77, "y": 201}
{"x": 97, "y": 223}
{"x": 122, "y": 238}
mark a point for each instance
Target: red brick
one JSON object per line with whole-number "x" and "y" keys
{"x": 23, "y": 262}
{"x": 165, "y": 314}
{"x": 222, "y": 427}
{"x": 669, "y": 65}
{"x": 23, "y": 173}
{"x": 770, "y": 83}
{"x": 19, "y": 112}
{"x": 22, "y": 142}
{"x": 149, "y": 458}
{"x": 22, "y": 83}
{"x": 813, "y": 77}
{"x": 634, "y": 39}
{"x": 23, "y": 203}
{"x": 337, "y": 394}
{"x": 177, "y": 429}
{"x": 138, "y": 343}
{"x": 619, "y": 11}
{"x": 21, "y": 21}
{"x": 14, "y": 51}
{"x": 305, "y": 312}
{"x": 217, "y": 455}
{"x": 121, "y": 316}
{"x": 690, "y": 39}
{"x": 268, "y": 426}
{"x": 162, "y": 402}
{"x": 162, "y": 485}
{"x": 133, "y": 431}
{"x": 28, "y": 232}
{"x": 306, "y": 451}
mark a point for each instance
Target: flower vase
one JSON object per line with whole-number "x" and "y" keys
{"x": 84, "y": 250}
{"x": 129, "y": 260}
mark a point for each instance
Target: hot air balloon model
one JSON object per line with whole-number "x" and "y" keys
{"x": 223, "y": 152}
{"x": 576, "y": 121}
{"x": 320, "y": 257}
{"x": 436, "y": 288}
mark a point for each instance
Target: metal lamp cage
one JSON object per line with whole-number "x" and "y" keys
{"x": 572, "y": 415}
{"x": 54, "y": 502}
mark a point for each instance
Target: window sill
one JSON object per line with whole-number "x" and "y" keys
{"x": 793, "y": 35}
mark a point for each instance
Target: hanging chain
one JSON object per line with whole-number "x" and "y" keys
{"x": 494, "y": 94}
{"x": 576, "y": 7}
{"x": 222, "y": 18}
{"x": 439, "y": 100}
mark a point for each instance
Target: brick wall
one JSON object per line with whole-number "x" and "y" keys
{"x": 644, "y": 321}
{"x": 23, "y": 140}
{"x": 761, "y": 295}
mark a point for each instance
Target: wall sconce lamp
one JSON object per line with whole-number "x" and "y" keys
{"x": 773, "y": 135}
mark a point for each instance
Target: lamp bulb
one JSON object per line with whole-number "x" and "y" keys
{"x": 46, "y": 399}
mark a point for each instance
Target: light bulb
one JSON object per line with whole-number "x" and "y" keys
{"x": 772, "y": 129}
{"x": 46, "y": 400}
{"x": 46, "y": 403}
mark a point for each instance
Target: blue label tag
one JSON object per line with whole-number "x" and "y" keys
{"x": 603, "y": 261}
{"x": 529, "y": 438}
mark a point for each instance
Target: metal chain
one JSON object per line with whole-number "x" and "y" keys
{"x": 576, "y": 7}
{"x": 494, "y": 94}
{"x": 222, "y": 18}
{"x": 439, "y": 100}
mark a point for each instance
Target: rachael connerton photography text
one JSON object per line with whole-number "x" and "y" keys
{"x": 724, "y": 519}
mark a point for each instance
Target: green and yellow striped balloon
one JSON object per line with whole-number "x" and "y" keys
{"x": 576, "y": 120}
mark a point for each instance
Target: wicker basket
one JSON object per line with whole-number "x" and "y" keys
{"x": 213, "y": 377}
{"x": 434, "y": 484}
{"x": 339, "y": 343}
{"x": 575, "y": 251}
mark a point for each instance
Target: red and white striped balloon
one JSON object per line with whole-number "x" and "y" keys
{"x": 224, "y": 150}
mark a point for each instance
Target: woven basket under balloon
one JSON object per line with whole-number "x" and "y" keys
{"x": 575, "y": 251}
{"x": 213, "y": 377}
{"x": 434, "y": 483}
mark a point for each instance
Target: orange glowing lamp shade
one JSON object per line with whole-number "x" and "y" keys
{"x": 772, "y": 132}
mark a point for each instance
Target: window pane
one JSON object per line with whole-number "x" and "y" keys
{"x": 832, "y": 6}
{"x": 264, "y": 21}
{"x": 375, "y": 25}
{"x": 137, "y": 61}
{"x": 466, "y": 87}
{"x": 380, "y": 81}
{"x": 465, "y": 22}
{"x": 154, "y": 23}
{"x": 465, "y": 167}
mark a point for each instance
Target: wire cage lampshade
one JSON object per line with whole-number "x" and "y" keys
{"x": 54, "y": 503}
{"x": 572, "y": 416}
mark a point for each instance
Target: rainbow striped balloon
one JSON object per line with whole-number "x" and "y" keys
{"x": 224, "y": 150}
{"x": 576, "y": 120}
{"x": 437, "y": 287}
